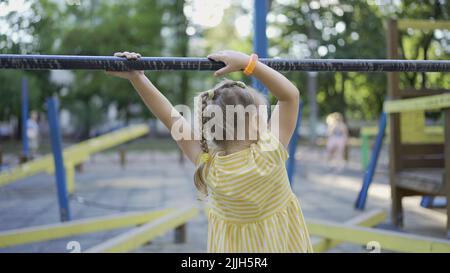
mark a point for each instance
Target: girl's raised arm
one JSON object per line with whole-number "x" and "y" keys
{"x": 286, "y": 110}
{"x": 159, "y": 105}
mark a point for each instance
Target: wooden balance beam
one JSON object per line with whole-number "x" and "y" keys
{"x": 137, "y": 237}
{"x": 73, "y": 155}
{"x": 389, "y": 240}
{"x": 427, "y": 103}
{"x": 77, "y": 227}
{"x": 368, "y": 219}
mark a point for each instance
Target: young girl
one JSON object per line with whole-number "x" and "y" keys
{"x": 252, "y": 206}
{"x": 337, "y": 139}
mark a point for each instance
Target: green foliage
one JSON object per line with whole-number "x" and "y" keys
{"x": 297, "y": 29}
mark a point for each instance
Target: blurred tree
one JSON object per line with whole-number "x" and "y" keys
{"x": 296, "y": 29}
{"x": 96, "y": 27}
{"x": 338, "y": 29}
{"x": 102, "y": 28}
{"x": 21, "y": 37}
{"x": 354, "y": 29}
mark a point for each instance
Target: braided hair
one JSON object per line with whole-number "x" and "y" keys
{"x": 198, "y": 176}
{"x": 227, "y": 92}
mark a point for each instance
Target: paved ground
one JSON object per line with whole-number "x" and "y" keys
{"x": 154, "y": 179}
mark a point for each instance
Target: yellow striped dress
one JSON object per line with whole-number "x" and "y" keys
{"x": 251, "y": 207}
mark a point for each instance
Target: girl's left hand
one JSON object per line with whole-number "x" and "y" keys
{"x": 129, "y": 75}
{"x": 234, "y": 61}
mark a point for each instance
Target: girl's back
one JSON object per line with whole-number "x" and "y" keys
{"x": 250, "y": 197}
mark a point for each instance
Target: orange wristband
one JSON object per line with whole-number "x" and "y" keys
{"x": 251, "y": 64}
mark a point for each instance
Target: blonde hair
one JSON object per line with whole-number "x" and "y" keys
{"x": 334, "y": 118}
{"x": 227, "y": 92}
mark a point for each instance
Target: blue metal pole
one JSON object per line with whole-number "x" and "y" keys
{"x": 368, "y": 176}
{"x": 260, "y": 42}
{"x": 293, "y": 145}
{"x": 427, "y": 201}
{"x": 60, "y": 172}
{"x": 24, "y": 108}
{"x": 433, "y": 202}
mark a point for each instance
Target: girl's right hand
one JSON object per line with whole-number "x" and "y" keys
{"x": 233, "y": 60}
{"x": 126, "y": 74}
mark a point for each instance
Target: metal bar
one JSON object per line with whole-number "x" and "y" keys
{"x": 260, "y": 42}
{"x": 427, "y": 201}
{"x": 368, "y": 175}
{"x": 66, "y": 62}
{"x": 60, "y": 172}
{"x": 24, "y": 118}
{"x": 293, "y": 145}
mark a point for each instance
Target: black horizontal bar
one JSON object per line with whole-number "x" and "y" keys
{"x": 67, "y": 62}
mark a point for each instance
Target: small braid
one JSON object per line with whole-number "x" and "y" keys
{"x": 204, "y": 119}
{"x": 199, "y": 180}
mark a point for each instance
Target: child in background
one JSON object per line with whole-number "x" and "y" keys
{"x": 337, "y": 139}
{"x": 33, "y": 133}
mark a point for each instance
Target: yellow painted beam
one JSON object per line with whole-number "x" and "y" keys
{"x": 110, "y": 140}
{"x": 369, "y": 130}
{"x": 423, "y": 24}
{"x": 76, "y": 227}
{"x": 435, "y": 102}
{"x": 369, "y": 219}
{"x": 74, "y": 157}
{"x": 27, "y": 169}
{"x": 74, "y": 154}
{"x": 70, "y": 176}
{"x": 388, "y": 240}
{"x": 137, "y": 237}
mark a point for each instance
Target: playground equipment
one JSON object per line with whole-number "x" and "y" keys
{"x": 369, "y": 173}
{"x": 73, "y": 155}
{"x": 387, "y": 240}
{"x": 141, "y": 235}
{"x": 63, "y": 163}
{"x": 365, "y": 134}
{"x": 65, "y": 62}
{"x": 24, "y": 119}
{"x": 410, "y": 124}
{"x": 432, "y": 134}
{"x": 368, "y": 219}
{"x": 417, "y": 167}
{"x": 158, "y": 222}
{"x": 154, "y": 223}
